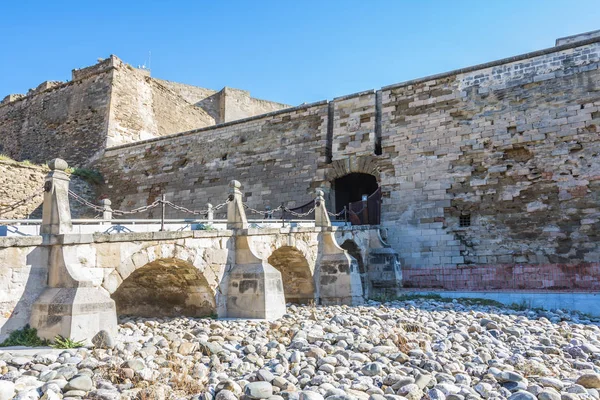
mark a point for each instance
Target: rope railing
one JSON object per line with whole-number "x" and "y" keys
{"x": 266, "y": 213}
{"x": 300, "y": 215}
{"x": 138, "y": 210}
{"x": 332, "y": 214}
{"x": 84, "y": 202}
{"x": 195, "y": 212}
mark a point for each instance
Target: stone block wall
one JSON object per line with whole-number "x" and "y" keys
{"x": 19, "y": 181}
{"x": 206, "y": 99}
{"x": 109, "y": 104}
{"x": 510, "y": 146}
{"x": 67, "y": 120}
{"x": 23, "y": 278}
{"x": 275, "y": 156}
{"x": 237, "y": 104}
{"x": 143, "y": 108}
{"x": 354, "y": 125}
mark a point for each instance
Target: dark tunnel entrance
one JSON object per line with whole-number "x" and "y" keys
{"x": 350, "y": 190}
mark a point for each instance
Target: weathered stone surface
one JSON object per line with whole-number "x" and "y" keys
{"x": 7, "y": 390}
{"x": 589, "y": 381}
{"x": 80, "y": 382}
{"x": 103, "y": 340}
{"x": 119, "y": 104}
{"x": 258, "y": 390}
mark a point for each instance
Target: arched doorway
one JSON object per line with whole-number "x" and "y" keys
{"x": 165, "y": 288}
{"x": 298, "y": 285}
{"x": 352, "y": 248}
{"x": 350, "y": 190}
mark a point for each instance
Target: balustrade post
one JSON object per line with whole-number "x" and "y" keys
{"x": 56, "y": 212}
{"x": 321, "y": 215}
{"x": 236, "y": 215}
{"x": 106, "y": 211}
{"x": 210, "y": 214}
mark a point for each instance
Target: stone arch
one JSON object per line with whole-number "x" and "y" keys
{"x": 354, "y": 164}
{"x": 187, "y": 272}
{"x": 298, "y": 284}
{"x": 354, "y": 250}
{"x": 165, "y": 287}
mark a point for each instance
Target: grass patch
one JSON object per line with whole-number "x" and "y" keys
{"x": 4, "y": 157}
{"x": 25, "y": 336}
{"x": 204, "y": 227}
{"x": 61, "y": 342}
{"x": 89, "y": 175}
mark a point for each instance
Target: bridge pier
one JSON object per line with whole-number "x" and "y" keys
{"x": 336, "y": 272}
{"x": 384, "y": 271}
{"x": 70, "y": 306}
{"x": 254, "y": 288}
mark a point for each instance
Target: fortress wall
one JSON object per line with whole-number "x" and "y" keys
{"x": 515, "y": 145}
{"x": 67, "y": 120}
{"x": 354, "y": 125}
{"x": 207, "y": 99}
{"x": 237, "y": 104}
{"x": 143, "y": 108}
{"x": 274, "y": 156}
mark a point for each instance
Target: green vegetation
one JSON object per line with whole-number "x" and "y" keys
{"x": 4, "y": 157}
{"x": 204, "y": 227}
{"x": 26, "y": 336}
{"x": 89, "y": 175}
{"x": 61, "y": 342}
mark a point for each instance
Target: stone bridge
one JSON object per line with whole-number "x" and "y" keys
{"x": 75, "y": 284}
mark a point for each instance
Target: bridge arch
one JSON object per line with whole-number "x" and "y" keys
{"x": 296, "y": 274}
{"x": 166, "y": 287}
{"x": 168, "y": 279}
{"x": 355, "y": 251}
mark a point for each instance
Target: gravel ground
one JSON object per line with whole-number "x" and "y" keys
{"x": 417, "y": 349}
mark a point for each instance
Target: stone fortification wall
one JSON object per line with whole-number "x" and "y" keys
{"x": 237, "y": 104}
{"x": 206, "y": 99}
{"x": 109, "y": 104}
{"x": 66, "y": 120}
{"x": 511, "y": 146}
{"x": 143, "y": 108}
{"x": 225, "y": 105}
{"x": 275, "y": 156}
{"x": 354, "y": 121}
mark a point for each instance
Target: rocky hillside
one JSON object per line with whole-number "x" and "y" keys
{"x": 22, "y": 180}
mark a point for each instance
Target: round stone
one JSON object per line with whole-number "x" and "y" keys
{"x": 7, "y": 390}
{"x": 258, "y": 390}
{"x": 589, "y": 381}
{"x": 310, "y": 395}
{"x": 80, "y": 382}
{"x": 103, "y": 339}
{"x": 522, "y": 395}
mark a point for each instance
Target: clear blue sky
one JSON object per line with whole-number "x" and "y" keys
{"x": 287, "y": 51}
